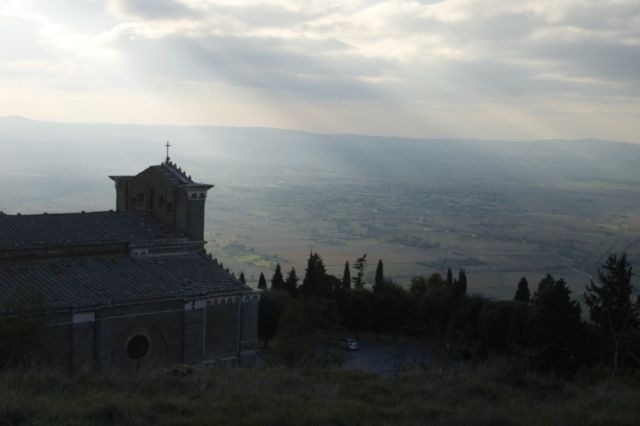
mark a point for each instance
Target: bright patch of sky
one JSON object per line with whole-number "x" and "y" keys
{"x": 453, "y": 68}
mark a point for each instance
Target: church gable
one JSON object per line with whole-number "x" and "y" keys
{"x": 167, "y": 192}
{"x": 153, "y": 190}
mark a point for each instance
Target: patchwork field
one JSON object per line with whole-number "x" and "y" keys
{"x": 501, "y": 210}
{"x": 525, "y": 231}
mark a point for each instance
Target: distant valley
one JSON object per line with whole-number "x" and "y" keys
{"x": 500, "y": 209}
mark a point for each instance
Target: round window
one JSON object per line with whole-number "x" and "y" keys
{"x": 137, "y": 346}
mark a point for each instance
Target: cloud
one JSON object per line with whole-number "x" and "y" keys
{"x": 501, "y": 51}
{"x": 151, "y": 9}
{"x": 404, "y": 56}
{"x": 265, "y": 63}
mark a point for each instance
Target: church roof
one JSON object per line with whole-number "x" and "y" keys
{"x": 178, "y": 176}
{"x": 172, "y": 172}
{"x": 67, "y": 229}
{"x": 96, "y": 281}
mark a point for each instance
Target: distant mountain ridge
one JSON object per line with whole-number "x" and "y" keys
{"x": 30, "y": 145}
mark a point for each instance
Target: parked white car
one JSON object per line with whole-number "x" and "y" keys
{"x": 350, "y": 344}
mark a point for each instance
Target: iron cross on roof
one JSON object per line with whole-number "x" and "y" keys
{"x": 167, "y": 146}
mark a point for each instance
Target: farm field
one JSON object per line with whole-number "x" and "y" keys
{"x": 501, "y": 210}
{"x": 525, "y": 232}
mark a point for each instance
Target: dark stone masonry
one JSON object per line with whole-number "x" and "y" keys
{"x": 131, "y": 288}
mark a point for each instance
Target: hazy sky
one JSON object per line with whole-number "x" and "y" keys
{"x": 457, "y": 68}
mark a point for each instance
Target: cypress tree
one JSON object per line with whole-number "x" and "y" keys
{"x": 262, "y": 282}
{"x": 315, "y": 282}
{"x": 291, "y": 283}
{"x": 309, "y": 282}
{"x": 523, "y": 294}
{"x": 379, "y": 273}
{"x": 242, "y": 278}
{"x": 462, "y": 281}
{"x": 449, "y": 277}
{"x": 346, "y": 277}
{"x": 277, "y": 281}
{"x": 358, "y": 280}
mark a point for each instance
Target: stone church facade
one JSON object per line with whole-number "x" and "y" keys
{"x": 131, "y": 288}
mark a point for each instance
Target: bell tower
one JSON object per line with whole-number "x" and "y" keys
{"x": 167, "y": 192}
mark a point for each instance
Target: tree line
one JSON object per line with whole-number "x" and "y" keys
{"x": 543, "y": 327}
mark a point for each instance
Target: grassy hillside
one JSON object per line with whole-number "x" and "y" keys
{"x": 276, "y": 396}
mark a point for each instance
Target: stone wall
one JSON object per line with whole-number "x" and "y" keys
{"x": 159, "y": 323}
{"x": 249, "y": 328}
{"x": 57, "y": 342}
{"x": 128, "y": 338}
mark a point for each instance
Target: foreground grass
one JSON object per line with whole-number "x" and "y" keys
{"x": 278, "y": 396}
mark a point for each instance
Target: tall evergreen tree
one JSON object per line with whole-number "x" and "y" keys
{"x": 554, "y": 296}
{"x": 316, "y": 281}
{"x": 346, "y": 277}
{"x": 359, "y": 265}
{"x": 272, "y": 305}
{"x": 612, "y": 308}
{"x": 242, "y": 278}
{"x": 610, "y": 301}
{"x": 291, "y": 283}
{"x": 449, "y": 277}
{"x": 462, "y": 282}
{"x": 335, "y": 284}
{"x": 262, "y": 282}
{"x": 277, "y": 281}
{"x": 380, "y": 273}
{"x": 523, "y": 294}
{"x": 555, "y": 327}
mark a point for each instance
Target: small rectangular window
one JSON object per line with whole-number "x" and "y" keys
{"x": 169, "y": 207}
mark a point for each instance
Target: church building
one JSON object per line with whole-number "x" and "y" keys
{"x": 131, "y": 288}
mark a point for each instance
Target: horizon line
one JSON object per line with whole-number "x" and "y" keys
{"x": 319, "y": 133}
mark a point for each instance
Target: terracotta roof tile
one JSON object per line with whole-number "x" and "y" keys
{"x": 93, "y": 281}
{"x": 47, "y": 230}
